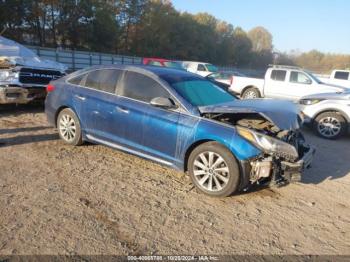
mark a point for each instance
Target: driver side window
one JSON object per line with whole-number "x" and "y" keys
{"x": 201, "y": 67}
{"x": 299, "y": 78}
{"x": 141, "y": 87}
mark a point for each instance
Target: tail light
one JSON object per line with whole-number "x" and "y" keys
{"x": 50, "y": 88}
{"x": 231, "y": 82}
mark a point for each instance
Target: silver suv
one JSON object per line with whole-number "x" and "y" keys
{"x": 328, "y": 113}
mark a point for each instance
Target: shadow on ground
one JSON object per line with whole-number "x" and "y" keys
{"x": 331, "y": 161}
{"x": 26, "y": 139}
{"x": 15, "y": 110}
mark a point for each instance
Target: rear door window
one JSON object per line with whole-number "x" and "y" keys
{"x": 278, "y": 75}
{"x": 105, "y": 80}
{"x": 141, "y": 87}
{"x": 77, "y": 80}
{"x": 341, "y": 75}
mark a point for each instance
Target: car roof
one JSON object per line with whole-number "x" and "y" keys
{"x": 152, "y": 71}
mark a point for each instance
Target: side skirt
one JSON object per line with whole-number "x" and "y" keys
{"x": 128, "y": 150}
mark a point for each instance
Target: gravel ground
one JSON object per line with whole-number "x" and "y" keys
{"x": 58, "y": 199}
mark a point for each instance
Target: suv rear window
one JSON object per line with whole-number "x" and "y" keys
{"x": 141, "y": 87}
{"x": 103, "y": 79}
{"x": 278, "y": 75}
{"x": 341, "y": 75}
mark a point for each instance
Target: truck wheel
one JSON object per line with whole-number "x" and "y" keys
{"x": 69, "y": 128}
{"x": 214, "y": 170}
{"x": 251, "y": 93}
{"x": 330, "y": 125}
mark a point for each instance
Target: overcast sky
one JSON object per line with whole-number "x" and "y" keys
{"x": 294, "y": 24}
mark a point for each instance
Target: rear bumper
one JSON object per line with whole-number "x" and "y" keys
{"x": 20, "y": 95}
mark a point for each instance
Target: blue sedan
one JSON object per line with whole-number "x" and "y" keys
{"x": 183, "y": 121}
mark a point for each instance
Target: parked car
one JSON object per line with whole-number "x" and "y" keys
{"x": 183, "y": 121}
{"x": 282, "y": 82}
{"x": 23, "y": 75}
{"x": 199, "y": 68}
{"x": 220, "y": 84}
{"x": 162, "y": 62}
{"x": 225, "y": 77}
{"x": 328, "y": 114}
{"x": 338, "y": 77}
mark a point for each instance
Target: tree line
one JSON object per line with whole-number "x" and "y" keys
{"x": 147, "y": 28}
{"x": 134, "y": 27}
{"x": 316, "y": 61}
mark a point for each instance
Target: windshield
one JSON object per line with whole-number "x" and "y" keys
{"x": 211, "y": 68}
{"x": 197, "y": 91}
{"x": 318, "y": 81}
{"x": 173, "y": 65}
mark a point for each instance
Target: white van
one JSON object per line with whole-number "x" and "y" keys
{"x": 199, "y": 68}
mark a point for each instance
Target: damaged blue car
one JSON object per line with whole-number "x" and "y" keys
{"x": 183, "y": 121}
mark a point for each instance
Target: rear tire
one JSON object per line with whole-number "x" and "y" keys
{"x": 251, "y": 93}
{"x": 68, "y": 126}
{"x": 330, "y": 125}
{"x": 214, "y": 170}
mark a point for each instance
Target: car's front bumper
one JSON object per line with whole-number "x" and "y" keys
{"x": 292, "y": 172}
{"x": 20, "y": 95}
{"x": 279, "y": 172}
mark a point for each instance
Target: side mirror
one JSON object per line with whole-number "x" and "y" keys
{"x": 163, "y": 102}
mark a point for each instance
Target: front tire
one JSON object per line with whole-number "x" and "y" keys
{"x": 214, "y": 170}
{"x": 330, "y": 125}
{"x": 68, "y": 126}
{"x": 251, "y": 93}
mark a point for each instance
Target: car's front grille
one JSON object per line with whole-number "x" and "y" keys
{"x": 37, "y": 76}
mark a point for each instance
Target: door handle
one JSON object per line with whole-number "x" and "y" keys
{"x": 123, "y": 110}
{"x": 80, "y": 97}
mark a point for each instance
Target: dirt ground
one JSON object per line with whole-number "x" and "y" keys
{"x": 58, "y": 199}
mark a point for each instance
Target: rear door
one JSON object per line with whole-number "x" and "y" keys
{"x": 98, "y": 102}
{"x": 149, "y": 130}
{"x": 276, "y": 85}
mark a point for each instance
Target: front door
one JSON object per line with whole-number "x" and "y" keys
{"x": 149, "y": 129}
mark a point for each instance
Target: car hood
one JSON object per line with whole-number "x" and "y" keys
{"x": 14, "y": 54}
{"x": 283, "y": 114}
{"x": 330, "y": 96}
{"x": 335, "y": 88}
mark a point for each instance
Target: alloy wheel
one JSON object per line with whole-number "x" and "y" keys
{"x": 211, "y": 171}
{"x": 329, "y": 126}
{"x": 250, "y": 94}
{"x": 67, "y": 127}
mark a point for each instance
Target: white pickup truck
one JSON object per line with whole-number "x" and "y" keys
{"x": 338, "y": 77}
{"x": 283, "y": 82}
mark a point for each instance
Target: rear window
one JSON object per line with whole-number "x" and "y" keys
{"x": 278, "y": 75}
{"x": 105, "y": 80}
{"x": 341, "y": 75}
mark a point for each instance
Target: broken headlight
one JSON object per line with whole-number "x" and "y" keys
{"x": 268, "y": 144}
